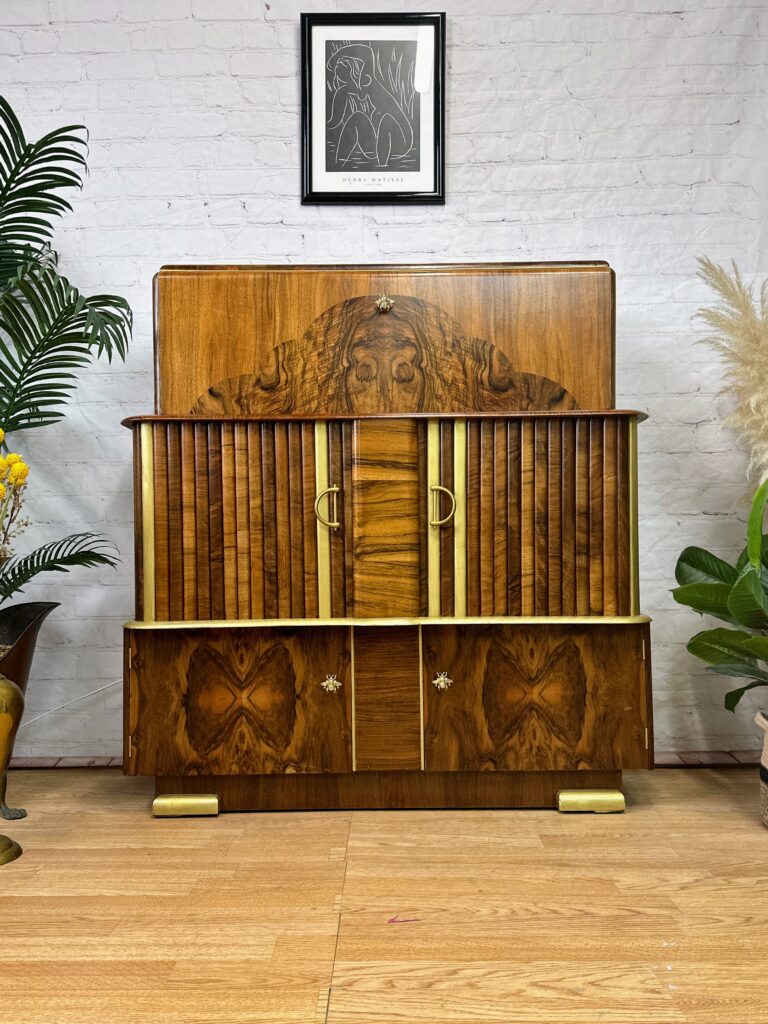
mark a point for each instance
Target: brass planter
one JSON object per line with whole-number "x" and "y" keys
{"x": 19, "y": 626}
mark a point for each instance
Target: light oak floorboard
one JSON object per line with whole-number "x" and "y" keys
{"x": 411, "y": 917}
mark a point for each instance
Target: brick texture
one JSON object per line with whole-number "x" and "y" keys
{"x": 627, "y": 130}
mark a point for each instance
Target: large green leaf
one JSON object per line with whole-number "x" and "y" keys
{"x": 707, "y": 598}
{"x": 723, "y": 646}
{"x": 32, "y": 175}
{"x": 733, "y": 697}
{"x": 741, "y": 671}
{"x": 86, "y": 549}
{"x": 757, "y": 646}
{"x": 47, "y": 330}
{"x": 697, "y": 565}
{"x": 747, "y": 601}
{"x": 755, "y": 525}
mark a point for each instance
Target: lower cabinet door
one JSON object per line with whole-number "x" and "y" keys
{"x": 541, "y": 697}
{"x": 235, "y": 701}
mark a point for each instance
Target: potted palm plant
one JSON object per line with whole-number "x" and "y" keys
{"x": 737, "y": 594}
{"x": 48, "y": 331}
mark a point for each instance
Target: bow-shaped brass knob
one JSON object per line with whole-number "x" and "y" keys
{"x": 384, "y": 303}
{"x": 441, "y": 681}
{"x": 331, "y": 684}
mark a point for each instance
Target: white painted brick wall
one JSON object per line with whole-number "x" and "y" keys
{"x": 627, "y": 130}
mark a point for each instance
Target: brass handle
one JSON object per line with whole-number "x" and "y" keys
{"x": 437, "y": 490}
{"x": 333, "y": 523}
{"x": 441, "y": 681}
{"x": 331, "y": 684}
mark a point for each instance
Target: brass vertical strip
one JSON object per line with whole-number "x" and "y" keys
{"x": 352, "y": 694}
{"x": 323, "y": 536}
{"x": 421, "y": 701}
{"x": 634, "y": 570}
{"x": 148, "y": 521}
{"x": 433, "y": 532}
{"x": 460, "y": 518}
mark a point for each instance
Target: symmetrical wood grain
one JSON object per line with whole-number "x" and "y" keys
{"x": 548, "y": 528}
{"x": 356, "y": 359}
{"x": 228, "y": 701}
{"x": 387, "y": 699}
{"x": 552, "y": 321}
{"x": 536, "y": 697}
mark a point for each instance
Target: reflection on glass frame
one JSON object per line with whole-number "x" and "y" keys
{"x": 373, "y": 109}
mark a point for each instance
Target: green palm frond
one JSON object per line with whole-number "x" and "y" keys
{"x": 58, "y": 556}
{"x": 47, "y": 330}
{"x": 31, "y": 177}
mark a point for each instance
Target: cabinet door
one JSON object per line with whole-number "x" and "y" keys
{"x": 227, "y": 524}
{"x": 238, "y": 701}
{"x": 389, "y": 510}
{"x": 521, "y": 698}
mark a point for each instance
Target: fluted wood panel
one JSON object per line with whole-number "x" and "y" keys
{"x": 548, "y": 517}
{"x": 234, "y": 523}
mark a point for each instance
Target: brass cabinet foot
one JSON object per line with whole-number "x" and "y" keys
{"x": 597, "y": 801}
{"x": 8, "y": 850}
{"x": 185, "y": 805}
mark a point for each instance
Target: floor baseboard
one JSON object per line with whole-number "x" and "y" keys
{"x": 663, "y": 759}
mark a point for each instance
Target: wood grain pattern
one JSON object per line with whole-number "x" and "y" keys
{"x": 643, "y": 918}
{"x": 238, "y": 701}
{"x": 387, "y": 699}
{"x": 536, "y": 697}
{"x": 519, "y": 325}
{"x": 547, "y": 516}
{"x": 390, "y": 790}
{"x": 389, "y": 548}
{"x": 235, "y": 530}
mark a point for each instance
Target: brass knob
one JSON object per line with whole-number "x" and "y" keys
{"x": 331, "y": 684}
{"x": 384, "y": 303}
{"x": 441, "y": 681}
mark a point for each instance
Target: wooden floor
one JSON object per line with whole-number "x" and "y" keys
{"x": 655, "y": 916}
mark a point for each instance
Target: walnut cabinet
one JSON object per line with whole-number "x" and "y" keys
{"x": 390, "y": 562}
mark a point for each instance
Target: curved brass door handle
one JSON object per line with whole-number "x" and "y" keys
{"x": 333, "y": 523}
{"x": 437, "y": 490}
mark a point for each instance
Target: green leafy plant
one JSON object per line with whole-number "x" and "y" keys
{"x": 736, "y": 594}
{"x": 48, "y": 329}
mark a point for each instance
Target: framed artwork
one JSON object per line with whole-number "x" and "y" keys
{"x": 373, "y": 108}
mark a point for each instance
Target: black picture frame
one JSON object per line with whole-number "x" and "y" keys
{"x": 436, "y": 194}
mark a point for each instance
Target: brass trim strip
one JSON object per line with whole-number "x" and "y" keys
{"x": 421, "y": 701}
{"x": 148, "y": 521}
{"x": 440, "y": 620}
{"x": 322, "y": 484}
{"x": 460, "y": 518}
{"x": 433, "y": 533}
{"x": 352, "y": 694}
{"x": 634, "y": 568}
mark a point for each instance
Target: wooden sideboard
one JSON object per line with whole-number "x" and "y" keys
{"x": 380, "y": 564}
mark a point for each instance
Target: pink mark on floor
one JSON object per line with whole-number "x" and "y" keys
{"x": 403, "y": 920}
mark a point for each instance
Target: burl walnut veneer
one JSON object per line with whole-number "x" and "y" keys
{"x": 386, "y": 559}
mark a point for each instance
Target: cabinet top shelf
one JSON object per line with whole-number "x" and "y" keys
{"x": 511, "y": 414}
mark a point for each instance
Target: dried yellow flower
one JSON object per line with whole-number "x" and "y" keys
{"x": 12, "y": 459}
{"x": 18, "y": 473}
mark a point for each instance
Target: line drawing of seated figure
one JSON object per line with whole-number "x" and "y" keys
{"x": 364, "y": 111}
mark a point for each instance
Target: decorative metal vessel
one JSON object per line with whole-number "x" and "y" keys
{"x": 19, "y": 626}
